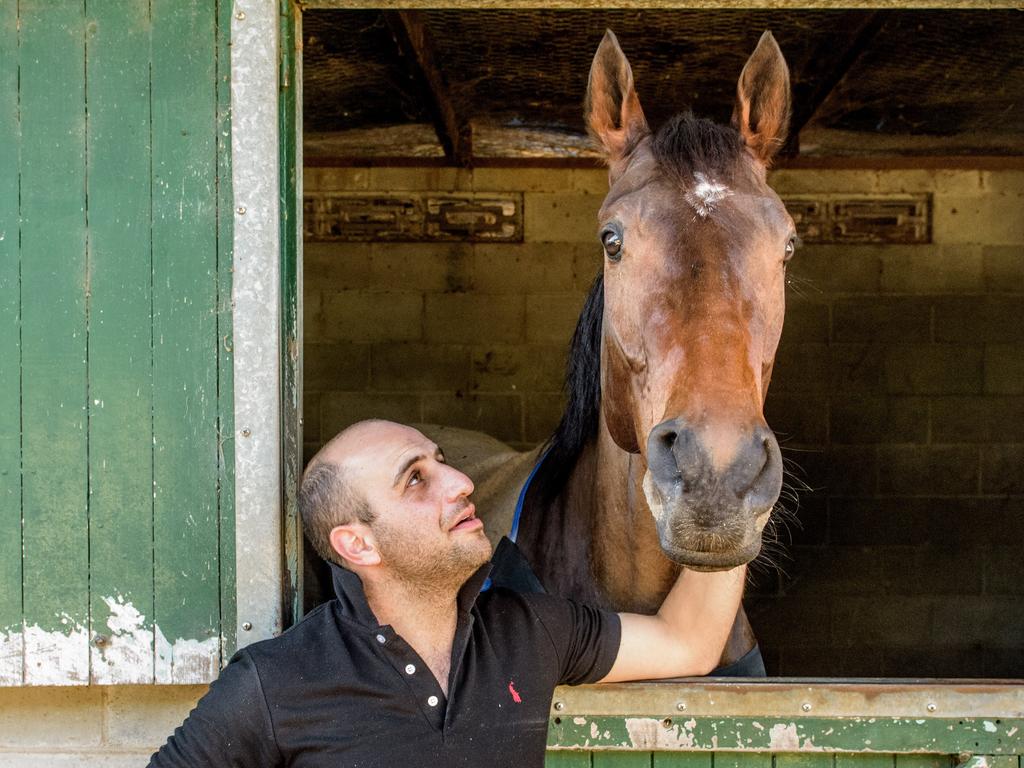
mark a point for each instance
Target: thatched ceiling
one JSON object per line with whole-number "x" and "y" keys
{"x": 486, "y": 84}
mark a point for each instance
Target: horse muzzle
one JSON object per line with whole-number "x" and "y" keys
{"x": 710, "y": 514}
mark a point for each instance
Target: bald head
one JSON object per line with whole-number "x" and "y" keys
{"x": 328, "y": 495}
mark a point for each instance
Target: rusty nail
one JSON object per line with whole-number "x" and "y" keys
{"x": 806, "y": 707}
{"x": 246, "y": 432}
{"x": 559, "y": 706}
{"x": 240, "y": 210}
{"x": 100, "y": 640}
{"x": 240, "y": 15}
{"x": 246, "y": 625}
{"x": 931, "y": 707}
{"x": 681, "y": 706}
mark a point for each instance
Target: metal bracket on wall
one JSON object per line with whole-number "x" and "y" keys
{"x": 413, "y": 217}
{"x": 862, "y": 219}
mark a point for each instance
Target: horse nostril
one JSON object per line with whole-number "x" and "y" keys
{"x": 669, "y": 439}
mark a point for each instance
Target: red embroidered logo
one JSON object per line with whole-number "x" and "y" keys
{"x": 515, "y": 694}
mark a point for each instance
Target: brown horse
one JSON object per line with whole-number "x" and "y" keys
{"x": 663, "y": 457}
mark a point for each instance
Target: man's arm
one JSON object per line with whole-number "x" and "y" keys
{"x": 687, "y": 635}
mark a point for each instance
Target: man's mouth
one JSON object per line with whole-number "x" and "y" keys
{"x": 467, "y": 520}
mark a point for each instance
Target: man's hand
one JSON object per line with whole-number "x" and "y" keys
{"x": 687, "y": 635}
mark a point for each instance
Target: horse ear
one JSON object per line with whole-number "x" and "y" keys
{"x": 613, "y": 114}
{"x": 761, "y": 112}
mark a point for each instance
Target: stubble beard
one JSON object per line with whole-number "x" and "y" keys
{"x": 418, "y": 565}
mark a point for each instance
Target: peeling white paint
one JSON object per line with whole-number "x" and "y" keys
{"x": 594, "y": 730}
{"x": 185, "y": 660}
{"x": 12, "y": 655}
{"x": 33, "y": 656}
{"x": 989, "y": 726}
{"x": 57, "y": 657}
{"x": 651, "y": 733}
{"x": 579, "y": 720}
{"x": 127, "y": 656}
{"x": 782, "y": 737}
{"x": 706, "y": 194}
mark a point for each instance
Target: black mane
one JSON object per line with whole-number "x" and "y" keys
{"x": 583, "y": 390}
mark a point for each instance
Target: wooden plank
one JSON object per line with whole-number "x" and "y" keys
{"x": 185, "y": 517}
{"x": 925, "y": 761}
{"x": 854, "y": 760}
{"x": 621, "y": 760}
{"x": 416, "y": 45}
{"x": 803, "y": 760}
{"x": 54, "y": 388}
{"x": 566, "y": 759}
{"x": 225, "y": 345}
{"x": 652, "y": 4}
{"x": 11, "y": 649}
{"x": 742, "y": 760}
{"x": 682, "y": 760}
{"x": 792, "y": 734}
{"x": 289, "y": 136}
{"x": 120, "y": 344}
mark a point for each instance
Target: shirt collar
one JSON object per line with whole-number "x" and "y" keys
{"x": 348, "y": 588}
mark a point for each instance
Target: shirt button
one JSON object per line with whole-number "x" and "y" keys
{"x": 381, "y": 639}
{"x": 409, "y": 669}
{"x": 432, "y": 701}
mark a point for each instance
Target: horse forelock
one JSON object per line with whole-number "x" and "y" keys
{"x": 582, "y": 413}
{"x": 698, "y": 155}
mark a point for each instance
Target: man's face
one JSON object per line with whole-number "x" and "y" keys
{"x": 426, "y": 527}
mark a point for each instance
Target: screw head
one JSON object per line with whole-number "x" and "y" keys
{"x": 240, "y": 15}
{"x": 806, "y": 707}
{"x": 240, "y": 210}
{"x": 681, "y": 706}
{"x": 559, "y": 706}
{"x": 931, "y": 707}
{"x": 246, "y": 625}
{"x": 100, "y": 641}
{"x": 246, "y": 432}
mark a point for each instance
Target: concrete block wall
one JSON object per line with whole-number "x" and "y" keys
{"x": 898, "y": 391}
{"x": 89, "y": 727}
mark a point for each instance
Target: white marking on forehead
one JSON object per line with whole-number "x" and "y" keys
{"x": 705, "y": 194}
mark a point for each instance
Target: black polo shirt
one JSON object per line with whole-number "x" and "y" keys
{"x": 338, "y": 689}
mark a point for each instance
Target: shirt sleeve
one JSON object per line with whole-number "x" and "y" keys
{"x": 586, "y": 639}
{"x": 230, "y": 727}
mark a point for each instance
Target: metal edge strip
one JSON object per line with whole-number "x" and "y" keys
{"x": 257, "y": 319}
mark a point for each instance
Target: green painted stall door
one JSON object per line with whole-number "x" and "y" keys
{"x": 114, "y": 342}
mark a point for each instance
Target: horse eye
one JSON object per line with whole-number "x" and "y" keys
{"x": 791, "y": 245}
{"x": 612, "y": 242}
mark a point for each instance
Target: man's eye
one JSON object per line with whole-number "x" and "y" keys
{"x": 415, "y": 478}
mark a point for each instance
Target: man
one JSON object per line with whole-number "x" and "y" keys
{"x": 412, "y": 664}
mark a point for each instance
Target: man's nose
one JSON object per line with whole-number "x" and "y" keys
{"x": 459, "y": 484}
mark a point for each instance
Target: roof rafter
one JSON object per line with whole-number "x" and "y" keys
{"x": 841, "y": 51}
{"x": 416, "y": 45}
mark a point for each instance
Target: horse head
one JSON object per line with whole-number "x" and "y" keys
{"x": 696, "y": 246}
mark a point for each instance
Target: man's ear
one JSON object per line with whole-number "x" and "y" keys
{"x": 355, "y": 544}
{"x": 761, "y": 112}
{"x": 613, "y": 114}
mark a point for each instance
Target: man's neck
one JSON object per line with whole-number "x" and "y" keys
{"x": 424, "y": 616}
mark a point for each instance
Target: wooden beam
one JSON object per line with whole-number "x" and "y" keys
{"x": 416, "y": 46}
{"x": 878, "y": 162}
{"x": 839, "y": 52}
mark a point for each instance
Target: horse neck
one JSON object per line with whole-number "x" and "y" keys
{"x": 627, "y": 561}
{"x": 596, "y": 541}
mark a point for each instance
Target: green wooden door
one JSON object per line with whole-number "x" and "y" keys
{"x": 115, "y": 342}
